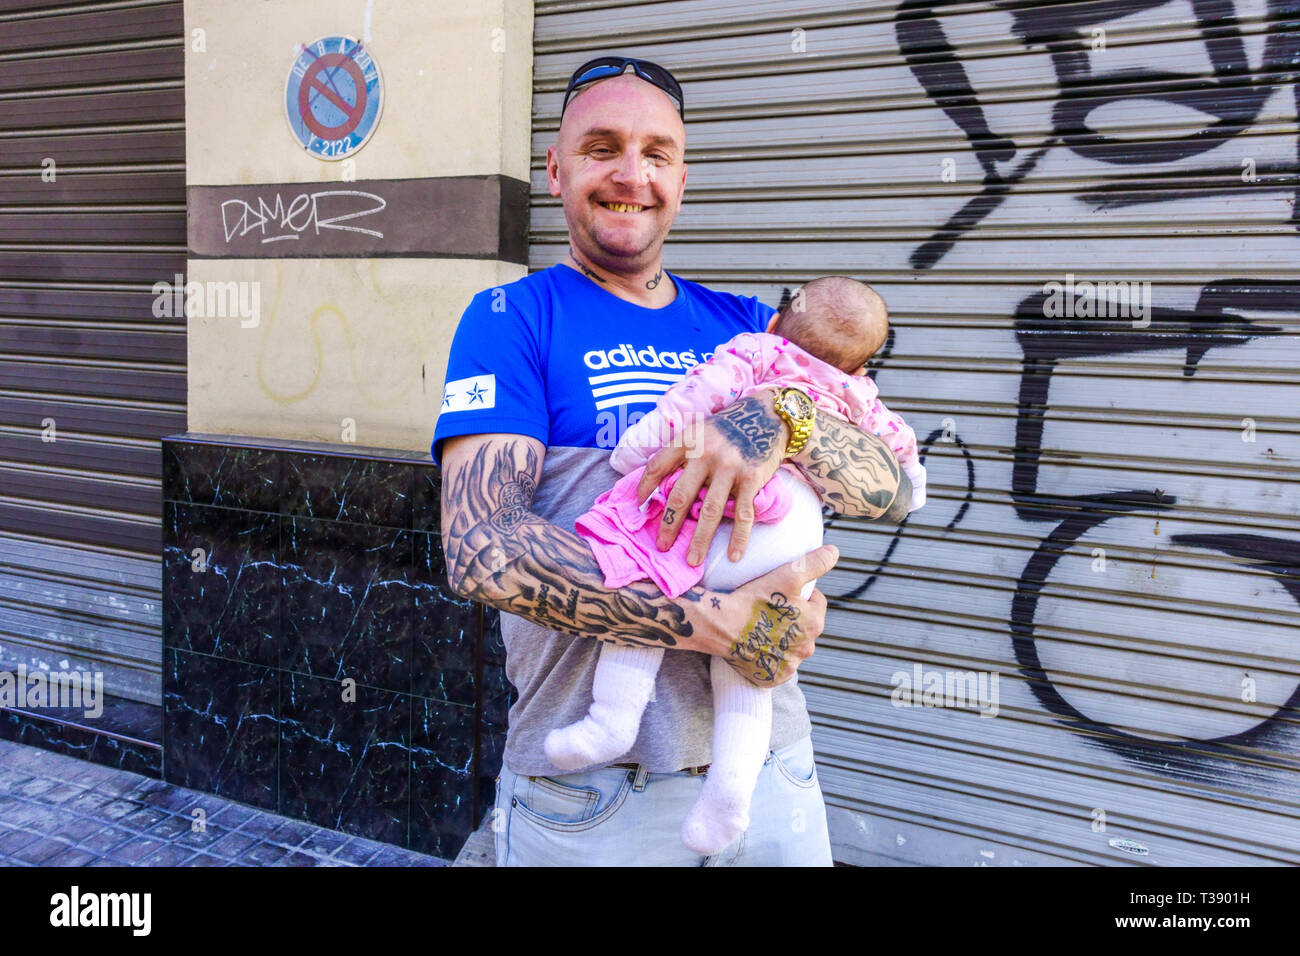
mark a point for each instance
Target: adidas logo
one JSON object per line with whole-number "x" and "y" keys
{"x": 613, "y": 392}
{"x": 618, "y": 389}
{"x": 627, "y": 356}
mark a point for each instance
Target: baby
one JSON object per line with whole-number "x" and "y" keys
{"x": 820, "y": 344}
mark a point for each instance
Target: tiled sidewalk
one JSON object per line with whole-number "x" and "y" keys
{"x": 61, "y": 811}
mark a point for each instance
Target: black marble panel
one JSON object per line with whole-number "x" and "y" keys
{"x": 231, "y": 609}
{"x": 325, "y": 563}
{"x": 497, "y": 696}
{"x": 491, "y": 748}
{"x": 229, "y": 475}
{"x": 346, "y": 763}
{"x": 221, "y": 722}
{"x": 426, "y": 505}
{"x": 346, "y": 488}
{"x": 494, "y": 648}
{"x": 132, "y": 720}
{"x": 76, "y": 739}
{"x": 348, "y": 604}
{"x": 446, "y": 630}
{"x": 442, "y": 777}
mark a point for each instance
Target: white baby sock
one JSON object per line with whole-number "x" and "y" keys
{"x": 742, "y": 730}
{"x": 623, "y": 685}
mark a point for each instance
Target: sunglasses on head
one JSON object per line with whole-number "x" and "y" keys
{"x": 606, "y": 66}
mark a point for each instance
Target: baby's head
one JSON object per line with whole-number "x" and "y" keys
{"x": 840, "y": 320}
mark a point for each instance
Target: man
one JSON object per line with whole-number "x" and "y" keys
{"x": 542, "y": 371}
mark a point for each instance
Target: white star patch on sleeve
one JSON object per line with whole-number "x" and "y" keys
{"x": 468, "y": 394}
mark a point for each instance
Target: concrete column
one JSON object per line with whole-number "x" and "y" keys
{"x": 324, "y": 294}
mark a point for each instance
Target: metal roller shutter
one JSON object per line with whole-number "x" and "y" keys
{"x": 92, "y": 215}
{"x": 1113, "y": 531}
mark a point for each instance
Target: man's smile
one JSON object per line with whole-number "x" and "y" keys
{"x": 622, "y": 206}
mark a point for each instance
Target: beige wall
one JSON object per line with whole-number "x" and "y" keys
{"x": 453, "y": 106}
{"x": 360, "y": 339}
{"x": 337, "y": 339}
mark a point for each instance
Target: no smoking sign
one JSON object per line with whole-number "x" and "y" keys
{"x": 333, "y": 96}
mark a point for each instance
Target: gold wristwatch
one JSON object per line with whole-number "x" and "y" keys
{"x": 796, "y": 410}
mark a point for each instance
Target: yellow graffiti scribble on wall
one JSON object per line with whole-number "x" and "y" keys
{"x": 404, "y": 380}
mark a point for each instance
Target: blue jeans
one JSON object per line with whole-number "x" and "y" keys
{"x": 620, "y": 817}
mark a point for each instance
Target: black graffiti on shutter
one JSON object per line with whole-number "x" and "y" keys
{"x": 1045, "y": 342}
{"x": 1212, "y": 323}
{"x": 1188, "y": 758}
{"x": 1183, "y": 758}
{"x": 1233, "y": 94}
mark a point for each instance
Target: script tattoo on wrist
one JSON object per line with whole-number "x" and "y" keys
{"x": 499, "y": 553}
{"x": 751, "y": 427}
{"x": 768, "y": 635}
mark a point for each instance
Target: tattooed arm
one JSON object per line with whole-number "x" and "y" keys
{"x": 853, "y": 471}
{"x": 737, "y": 450}
{"x": 500, "y": 553}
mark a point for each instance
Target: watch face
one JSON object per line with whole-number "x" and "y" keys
{"x": 797, "y": 405}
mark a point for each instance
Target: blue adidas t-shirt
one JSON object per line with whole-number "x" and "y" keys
{"x": 556, "y": 357}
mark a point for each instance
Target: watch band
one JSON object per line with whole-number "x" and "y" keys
{"x": 801, "y": 429}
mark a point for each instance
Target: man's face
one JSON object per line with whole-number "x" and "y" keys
{"x": 621, "y": 142}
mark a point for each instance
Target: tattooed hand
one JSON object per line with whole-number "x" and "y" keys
{"x": 767, "y": 638}
{"x": 780, "y": 627}
{"x": 734, "y": 453}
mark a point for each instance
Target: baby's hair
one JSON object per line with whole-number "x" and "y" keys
{"x": 838, "y": 319}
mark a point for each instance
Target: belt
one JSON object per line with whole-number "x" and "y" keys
{"x": 691, "y": 771}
